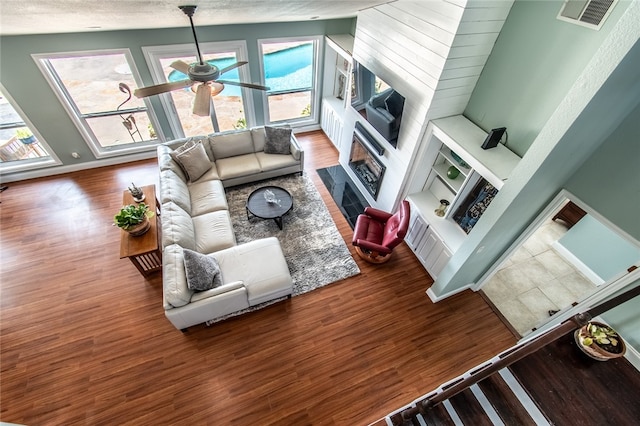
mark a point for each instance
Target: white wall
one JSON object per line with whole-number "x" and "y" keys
{"x": 432, "y": 53}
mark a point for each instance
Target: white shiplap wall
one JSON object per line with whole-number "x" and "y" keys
{"x": 432, "y": 52}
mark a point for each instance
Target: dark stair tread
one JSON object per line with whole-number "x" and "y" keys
{"x": 438, "y": 416}
{"x": 571, "y": 388}
{"x": 469, "y": 409}
{"x": 505, "y": 402}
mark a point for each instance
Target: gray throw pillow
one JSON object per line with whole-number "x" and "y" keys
{"x": 174, "y": 154}
{"x": 203, "y": 272}
{"x": 194, "y": 161}
{"x": 277, "y": 140}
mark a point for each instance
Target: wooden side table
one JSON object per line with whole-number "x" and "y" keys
{"x": 143, "y": 251}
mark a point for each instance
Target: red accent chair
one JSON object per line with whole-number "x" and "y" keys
{"x": 377, "y": 232}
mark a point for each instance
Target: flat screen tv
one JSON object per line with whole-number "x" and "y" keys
{"x": 377, "y": 102}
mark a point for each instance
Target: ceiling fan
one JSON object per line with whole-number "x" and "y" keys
{"x": 201, "y": 72}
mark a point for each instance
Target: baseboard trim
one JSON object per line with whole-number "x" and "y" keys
{"x": 582, "y": 267}
{"x": 435, "y": 298}
{"x": 633, "y": 356}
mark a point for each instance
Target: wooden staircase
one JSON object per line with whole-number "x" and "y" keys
{"x": 557, "y": 385}
{"x": 545, "y": 380}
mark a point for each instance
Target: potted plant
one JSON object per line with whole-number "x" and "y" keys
{"x": 25, "y": 136}
{"x": 599, "y": 341}
{"x": 134, "y": 218}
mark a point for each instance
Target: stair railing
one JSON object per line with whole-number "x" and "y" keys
{"x": 506, "y": 358}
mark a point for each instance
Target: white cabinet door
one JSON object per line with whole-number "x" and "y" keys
{"x": 433, "y": 254}
{"x": 439, "y": 263}
{"x": 417, "y": 228}
{"x": 425, "y": 252}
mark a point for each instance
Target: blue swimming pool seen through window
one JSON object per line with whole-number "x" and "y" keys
{"x": 285, "y": 70}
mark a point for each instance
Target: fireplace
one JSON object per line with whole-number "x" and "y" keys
{"x": 365, "y": 164}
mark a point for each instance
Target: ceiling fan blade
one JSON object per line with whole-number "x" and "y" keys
{"x": 143, "y": 92}
{"x": 249, "y": 85}
{"x": 181, "y": 66}
{"x": 232, "y": 66}
{"x": 202, "y": 102}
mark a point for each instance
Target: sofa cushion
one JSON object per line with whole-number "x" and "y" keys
{"x": 203, "y": 272}
{"x": 261, "y": 265}
{"x": 231, "y": 144}
{"x": 241, "y": 165}
{"x": 259, "y": 138}
{"x": 277, "y": 140}
{"x": 207, "y": 196}
{"x": 274, "y": 162}
{"x": 194, "y": 161}
{"x": 175, "y": 292}
{"x": 177, "y": 226}
{"x": 213, "y": 232}
{"x": 173, "y": 188}
{"x": 211, "y": 174}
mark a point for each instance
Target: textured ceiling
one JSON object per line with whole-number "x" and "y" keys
{"x": 71, "y": 16}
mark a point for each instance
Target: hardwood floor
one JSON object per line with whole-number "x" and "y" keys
{"x": 84, "y": 339}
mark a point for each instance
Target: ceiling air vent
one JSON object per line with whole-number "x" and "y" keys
{"x": 588, "y": 13}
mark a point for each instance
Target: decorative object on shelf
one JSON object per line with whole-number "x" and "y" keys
{"x": 136, "y": 193}
{"x": 493, "y": 138}
{"x": 459, "y": 160}
{"x": 25, "y": 136}
{"x": 474, "y": 205}
{"x": 599, "y": 341}
{"x": 134, "y": 219}
{"x": 453, "y": 172}
{"x": 442, "y": 209}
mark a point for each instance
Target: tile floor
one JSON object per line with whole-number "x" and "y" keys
{"x": 535, "y": 280}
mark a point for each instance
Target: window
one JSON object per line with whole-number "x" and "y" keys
{"x": 290, "y": 70}
{"x": 231, "y": 108}
{"x": 20, "y": 147}
{"x": 89, "y": 86}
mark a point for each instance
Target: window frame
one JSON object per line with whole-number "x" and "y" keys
{"x": 31, "y": 163}
{"x": 153, "y": 55}
{"x": 67, "y": 101}
{"x": 316, "y": 95}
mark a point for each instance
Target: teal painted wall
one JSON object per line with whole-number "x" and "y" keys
{"x": 533, "y": 64}
{"x": 24, "y": 81}
{"x": 625, "y": 319}
{"x": 599, "y": 248}
{"x": 609, "y": 180}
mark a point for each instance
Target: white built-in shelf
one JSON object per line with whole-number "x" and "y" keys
{"x": 465, "y": 139}
{"x": 436, "y": 238}
{"x": 342, "y": 44}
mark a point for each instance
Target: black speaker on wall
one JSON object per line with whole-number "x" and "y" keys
{"x": 493, "y": 138}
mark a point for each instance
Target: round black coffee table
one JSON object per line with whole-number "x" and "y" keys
{"x": 258, "y": 205}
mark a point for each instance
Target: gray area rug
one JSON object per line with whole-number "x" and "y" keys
{"x": 315, "y": 251}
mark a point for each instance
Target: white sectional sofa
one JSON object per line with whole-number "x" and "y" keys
{"x": 195, "y": 216}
